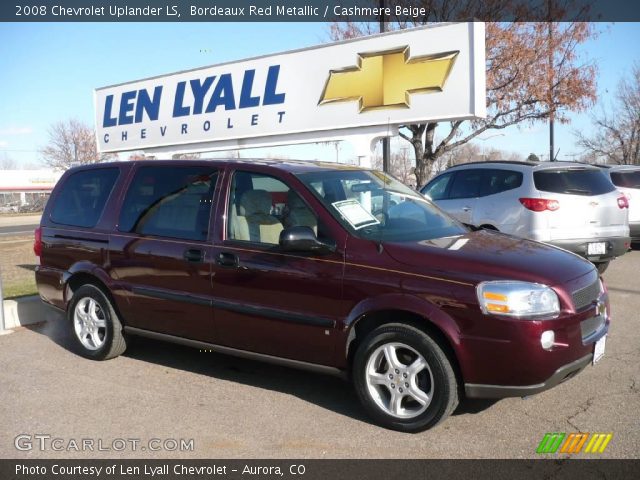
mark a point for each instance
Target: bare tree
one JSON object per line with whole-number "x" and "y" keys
{"x": 8, "y": 163}
{"x": 72, "y": 143}
{"x": 533, "y": 71}
{"x": 469, "y": 152}
{"x": 617, "y": 133}
{"x": 402, "y": 167}
{"x": 139, "y": 155}
{"x": 588, "y": 157}
{"x": 185, "y": 156}
{"x": 472, "y": 152}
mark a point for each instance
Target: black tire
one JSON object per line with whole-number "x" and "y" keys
{"x": 442, "y": 379}
{"x": 113, "y": 340}
{"x": 602, "y": 266}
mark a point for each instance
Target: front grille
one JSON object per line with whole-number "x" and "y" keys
{"x": 587, "y": 295}
{"x": 591, "y": 327}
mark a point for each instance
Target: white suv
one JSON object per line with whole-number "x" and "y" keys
{"x": 571, "y": 205}
{"x": 626, "y": 178}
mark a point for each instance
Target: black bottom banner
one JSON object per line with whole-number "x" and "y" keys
{"x": 317, "y": 469}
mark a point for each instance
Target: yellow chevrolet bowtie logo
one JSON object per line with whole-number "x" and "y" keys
{"x": 385, "y": 80}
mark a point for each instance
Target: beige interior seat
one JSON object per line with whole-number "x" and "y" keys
{"x": 299, "y": 213}
{"x": 254, "y": 221}
{"x": 238, "y": 227}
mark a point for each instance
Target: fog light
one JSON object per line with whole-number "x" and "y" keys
{"x": 547, "y": 339}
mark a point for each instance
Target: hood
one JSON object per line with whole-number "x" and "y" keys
{"x": 488, "y": 255}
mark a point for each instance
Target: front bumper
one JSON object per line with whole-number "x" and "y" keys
{"x": 505, "y": 358}
{"x": 616, "y": 246}
{"x": 502, "y": 391}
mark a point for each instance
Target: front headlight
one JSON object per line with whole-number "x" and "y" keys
{"x": 518, "y": 299}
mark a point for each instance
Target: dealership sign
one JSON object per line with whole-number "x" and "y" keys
{"x": 426, "y": 74}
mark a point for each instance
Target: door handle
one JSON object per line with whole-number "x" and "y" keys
{"x": 193, "y": 255}
{"x": 227, "y": 260}
{"x": 466, "y": 208}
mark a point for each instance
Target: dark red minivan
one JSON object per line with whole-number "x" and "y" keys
{"x": 320, "y": 266}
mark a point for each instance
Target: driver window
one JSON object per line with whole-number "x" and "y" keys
{"x": 261, "y": 206}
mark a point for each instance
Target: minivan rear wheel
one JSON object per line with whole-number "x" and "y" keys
{"x": 601, "y": 266}
{"x": 95, "y": 326}
{"x": 404, "y": 379}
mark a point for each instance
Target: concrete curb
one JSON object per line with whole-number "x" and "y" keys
{"x": 23, "y": 311}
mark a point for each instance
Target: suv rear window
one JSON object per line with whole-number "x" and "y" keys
{"x": 580, "y": 181}
{"x": 626, "y": 179}
{"x": 83, "y": 196}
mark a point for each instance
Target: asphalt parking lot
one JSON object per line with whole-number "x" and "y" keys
{"x": 234, "y": 408}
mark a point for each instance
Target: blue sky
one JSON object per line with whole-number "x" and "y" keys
{"x": 49, "y": 71}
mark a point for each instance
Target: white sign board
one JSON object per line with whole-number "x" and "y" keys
{"x": 426, "y": 74}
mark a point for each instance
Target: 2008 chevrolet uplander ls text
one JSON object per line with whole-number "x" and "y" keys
{"x": 319, "y": 266}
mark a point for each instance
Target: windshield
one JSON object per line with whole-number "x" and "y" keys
{"x": 375, "y": 206}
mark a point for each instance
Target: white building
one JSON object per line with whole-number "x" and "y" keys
{"x": 25, "y": 190}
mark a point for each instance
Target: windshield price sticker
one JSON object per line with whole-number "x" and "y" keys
{"x": 354, "y": 213}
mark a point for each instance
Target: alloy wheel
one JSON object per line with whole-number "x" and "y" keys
{"x": 89, "y": 323}
{"x": 399, "y": 380}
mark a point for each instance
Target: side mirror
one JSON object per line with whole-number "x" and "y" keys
{"x": 303, "y": 239}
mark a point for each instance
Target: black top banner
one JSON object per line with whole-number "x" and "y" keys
{"x": 398, "y": 11}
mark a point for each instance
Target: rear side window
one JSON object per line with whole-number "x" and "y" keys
{"x": 626, "y": 179}
{"x": 466, "y": 184}
{"x": 170, "y": 202}
{"x": 498, "y": 181}
{"x": 83, "y": 196}
{"x": 584, "y": 181}
{"x": 437, "y": 189}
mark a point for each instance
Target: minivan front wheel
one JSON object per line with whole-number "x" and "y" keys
{"x": 404, "y": 379}
{"x": 95, "y": 326}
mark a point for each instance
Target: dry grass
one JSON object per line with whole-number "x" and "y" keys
{"x": 21, "y": 214}
{"x": 17, "y": 263}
